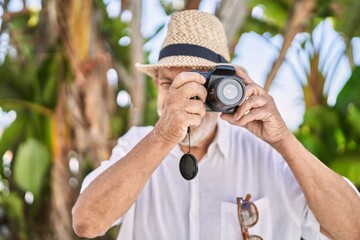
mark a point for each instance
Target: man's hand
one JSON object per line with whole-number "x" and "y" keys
{"x": 179, "y": 110}
{"x": 258, "y": 113}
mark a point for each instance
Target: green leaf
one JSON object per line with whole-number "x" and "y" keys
{"x": 31, "y": 165}
{"x": 259, "y": 26}
{"x": 348, "y": 166}
{"x": 321, "y": 118}
{"x": 313, "y": 143}
{"x": 14, "y": 210}
{"x": 354, "y": 118}
{"x": 11, "y": 135}
{"x": 350, "y": 92}
{"x": 276, "y": 12}
{"x": 348, "y": 18}
{"x": 49, "y": 74}
{"x": 10, "y": 84}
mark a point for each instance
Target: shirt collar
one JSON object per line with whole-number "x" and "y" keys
{"x": 222, "y": 138}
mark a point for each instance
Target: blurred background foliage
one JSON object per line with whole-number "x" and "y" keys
{"x": 66, "y": 64}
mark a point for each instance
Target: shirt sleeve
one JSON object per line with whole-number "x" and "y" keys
{"x": 118, "y": 152}
{"x": 294, "y": 201}
{"x": 310, "y": 229}
{"x": 352, "y": 186}
{"x": 123, "y": 146}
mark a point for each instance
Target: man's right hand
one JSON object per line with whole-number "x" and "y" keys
{"x": 177, "y": 108}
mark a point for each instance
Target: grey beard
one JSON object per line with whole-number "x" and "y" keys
{"x": 200, "y": 132}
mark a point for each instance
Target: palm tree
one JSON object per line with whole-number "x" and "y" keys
{"x": 66, "y": 72}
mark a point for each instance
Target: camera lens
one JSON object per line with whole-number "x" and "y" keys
{"x": 229, "y": 92}
{"x": 225, "y": 89}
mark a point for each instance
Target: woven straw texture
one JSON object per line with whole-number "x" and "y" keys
{"x": 191, "y": 27}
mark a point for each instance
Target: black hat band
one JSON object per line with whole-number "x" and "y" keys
{"x": 191, "y": 50}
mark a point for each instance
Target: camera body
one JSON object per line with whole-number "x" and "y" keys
{"x": 225, "y": 89}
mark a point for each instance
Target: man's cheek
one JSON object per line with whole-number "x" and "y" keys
{"x": 160, "y": 106}
{"x": 159, "y": 112}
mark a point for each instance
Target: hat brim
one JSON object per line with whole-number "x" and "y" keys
{"x": 177, "y": 61}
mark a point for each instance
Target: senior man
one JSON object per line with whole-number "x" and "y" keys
{"x": 254, "y": 181}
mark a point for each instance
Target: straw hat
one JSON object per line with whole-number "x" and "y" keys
{"x": 194, "y": 39}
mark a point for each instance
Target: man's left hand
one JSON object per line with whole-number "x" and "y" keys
{"x": 258, "y": 113}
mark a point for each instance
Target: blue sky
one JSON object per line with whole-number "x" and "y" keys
{"x": 255, "y": 52}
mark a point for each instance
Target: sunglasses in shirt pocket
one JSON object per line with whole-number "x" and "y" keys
{"x": 230, "y": 225}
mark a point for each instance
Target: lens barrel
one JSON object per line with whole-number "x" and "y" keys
{"x": 225, "y": 93}
{"x": 225, "y": 89}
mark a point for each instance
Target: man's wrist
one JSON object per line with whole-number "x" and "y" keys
{"x": 159, "y": 137}
{"x": 286, "y": 144}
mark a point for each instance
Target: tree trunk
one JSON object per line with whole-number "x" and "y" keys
{"x": 82, "y": 115}
{"x": 62, "y": 194}
{"x": 137, "y": 89}
{"x": 232, "y": 14}
{"x": 192, "y": 4}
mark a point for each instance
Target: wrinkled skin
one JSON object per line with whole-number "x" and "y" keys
{"x": 258, "y": 113}
{"x": 177, "y": 111}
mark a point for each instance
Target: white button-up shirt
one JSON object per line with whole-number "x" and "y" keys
{"x": 237, "y": 163}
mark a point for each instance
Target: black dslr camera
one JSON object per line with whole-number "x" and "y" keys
{"x": 225, "y": 90}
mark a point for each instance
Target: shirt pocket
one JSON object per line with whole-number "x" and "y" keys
{"x": 230, "y": 226}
